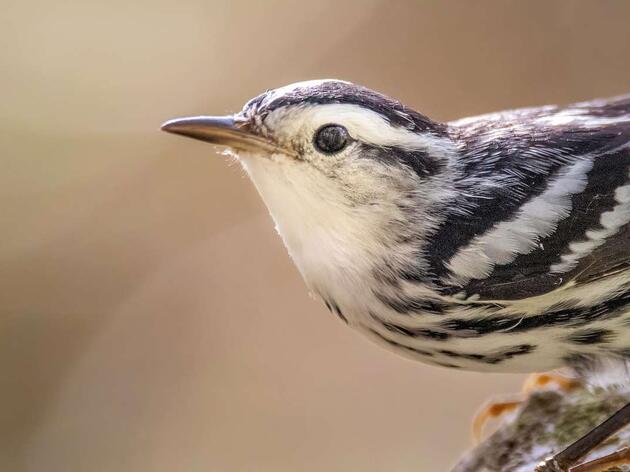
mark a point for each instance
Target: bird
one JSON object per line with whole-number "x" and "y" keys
{"x": 496, "y": 243}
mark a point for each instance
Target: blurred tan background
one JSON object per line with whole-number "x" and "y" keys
{"x": 150, "y": 319}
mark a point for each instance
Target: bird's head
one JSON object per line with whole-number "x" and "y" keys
{"x": 345, "y": 172}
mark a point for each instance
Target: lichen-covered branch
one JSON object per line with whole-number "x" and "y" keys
{"x": 547, "y": 422}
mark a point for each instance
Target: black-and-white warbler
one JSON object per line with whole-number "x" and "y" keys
{"x": 496, "y": 243}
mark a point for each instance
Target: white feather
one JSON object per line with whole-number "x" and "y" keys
{"x": 581, "y": 117}
{"x": 520, "y": 235}
{"x": 611, "y": 221}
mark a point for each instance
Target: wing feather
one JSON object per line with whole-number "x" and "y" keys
{"x": 589, "y": 239}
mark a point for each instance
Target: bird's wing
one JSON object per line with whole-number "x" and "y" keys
{"x": 559, "y": 210}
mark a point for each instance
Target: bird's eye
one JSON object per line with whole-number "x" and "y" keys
{"x": 331, "y": 139}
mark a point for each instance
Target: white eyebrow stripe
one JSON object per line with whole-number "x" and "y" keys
{"x": 362, "y": 124}
{"x": 373, "y": 128}
{"x": 536, "y": 219}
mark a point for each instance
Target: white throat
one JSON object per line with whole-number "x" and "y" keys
{"x": 330, "y": 242}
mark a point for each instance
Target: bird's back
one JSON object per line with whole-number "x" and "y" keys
{"x": 546, "y": 196}
{"x": 538, "y": 242}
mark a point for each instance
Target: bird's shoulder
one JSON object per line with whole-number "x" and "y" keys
{"x": 611, "y": 108}
{"x": 559, "y": 131}
{"x": 544, "y": 201}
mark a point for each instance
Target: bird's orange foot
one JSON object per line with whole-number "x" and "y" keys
{"x": 545, "y": 380}
{"x": 534, "y": 382}
{"x": 491, "y": 411}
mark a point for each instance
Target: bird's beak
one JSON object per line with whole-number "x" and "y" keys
{"x": 221, "y": 130}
